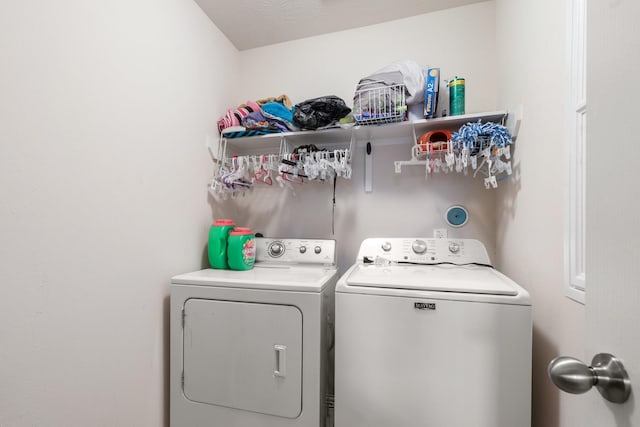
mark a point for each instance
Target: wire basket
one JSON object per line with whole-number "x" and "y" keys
{"x": 378, "y": 105}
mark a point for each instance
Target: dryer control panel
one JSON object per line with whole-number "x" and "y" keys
{"x": 296, "y": 251}
{"x": 420, "y": 250}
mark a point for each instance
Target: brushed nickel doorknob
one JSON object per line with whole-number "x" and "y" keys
{"x": 606, "y": 373}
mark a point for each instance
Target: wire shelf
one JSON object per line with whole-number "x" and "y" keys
{"x": 379, "y": 105}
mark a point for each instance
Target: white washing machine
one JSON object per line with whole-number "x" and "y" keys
{"x": 253, "y": 348}
{"x": 428, "y": 334}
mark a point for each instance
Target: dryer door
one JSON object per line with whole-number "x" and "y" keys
{"x": 243, "y": 355}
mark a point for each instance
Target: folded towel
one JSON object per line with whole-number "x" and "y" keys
{"x": 277, "y": 111}
{"x": 240, "y": 131}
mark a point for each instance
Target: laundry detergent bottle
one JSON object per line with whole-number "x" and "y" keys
{"x": 217, "y": 247}
{"x": 241, "y": 249}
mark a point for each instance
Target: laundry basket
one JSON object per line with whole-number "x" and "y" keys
{"x": 380, "y": 104}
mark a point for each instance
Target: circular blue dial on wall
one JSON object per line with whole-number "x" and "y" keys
{"x": 457, "y": 216}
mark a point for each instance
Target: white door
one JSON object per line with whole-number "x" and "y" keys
{"x": 613, "y": 205}
{"x": 241, "y": 355}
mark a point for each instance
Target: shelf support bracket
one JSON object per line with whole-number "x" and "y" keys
{"x": 514, "y": 117}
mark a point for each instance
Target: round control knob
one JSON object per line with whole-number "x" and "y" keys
{"x": 317, "y": 249}
{"x": 386, "y": 246}
{"x": 419, "y": 246}
{"x": 276, "y": 249}
{"x": 303, "y": 249}
{"x": 454, "y": 248}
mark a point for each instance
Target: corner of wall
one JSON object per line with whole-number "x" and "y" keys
{"x": 530, "y": 228}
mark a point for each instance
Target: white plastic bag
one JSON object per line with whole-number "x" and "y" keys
{"x": 413, "y": 76}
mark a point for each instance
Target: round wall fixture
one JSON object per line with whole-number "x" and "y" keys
{"x": 457, "y": 216}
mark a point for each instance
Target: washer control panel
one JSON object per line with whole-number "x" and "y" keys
{"x": 421, "y": 250}
{"x": 296, "y": 251}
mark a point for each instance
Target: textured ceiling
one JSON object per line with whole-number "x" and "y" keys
{"x": 255, "y": 23}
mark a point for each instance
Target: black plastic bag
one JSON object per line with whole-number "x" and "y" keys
{"x": 319, "y": 112}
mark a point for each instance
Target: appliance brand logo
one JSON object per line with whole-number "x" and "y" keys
{"x": 424, "y": 305}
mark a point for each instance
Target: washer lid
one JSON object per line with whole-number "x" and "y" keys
{"x": 471, "y": 279}
{"x": 263, "y": 276}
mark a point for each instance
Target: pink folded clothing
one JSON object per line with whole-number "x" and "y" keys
{"x": 233, "y": 117}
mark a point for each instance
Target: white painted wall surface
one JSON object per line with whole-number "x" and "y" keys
{"x": 460, "y": 41}
{"x": 531, "y": 48}
{"x": 104, "y": 112}
{"x": 400, "y": 204}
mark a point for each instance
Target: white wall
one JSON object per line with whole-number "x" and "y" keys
{"x": 104, "y": 112}
{"x": 460, "y": 41}
{"x": 531, "y": 45}
{"x": 400, "y": 205}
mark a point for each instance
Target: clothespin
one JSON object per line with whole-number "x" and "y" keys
{"x": 490, "y": 181}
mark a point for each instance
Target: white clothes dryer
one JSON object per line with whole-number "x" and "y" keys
{"x": 254, "y": 348}
{"x": 429, "y": 334}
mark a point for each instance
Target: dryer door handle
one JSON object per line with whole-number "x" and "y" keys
{"x": 281, "y": 361}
